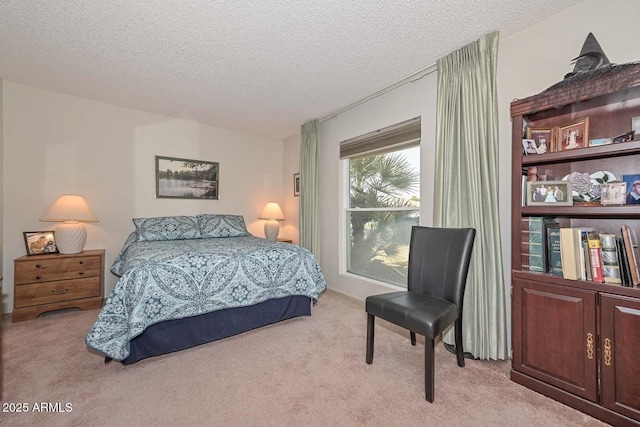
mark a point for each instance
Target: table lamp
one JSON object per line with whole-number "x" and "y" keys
{"x": 272, "y": 213}
{"x": 71, "y": 210}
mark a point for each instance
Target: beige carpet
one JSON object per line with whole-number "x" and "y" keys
{"x": 302, "y": 372}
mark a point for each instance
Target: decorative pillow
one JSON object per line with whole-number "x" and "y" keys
{"x": 212, "y": 225}
{"x": 166, "y": 228}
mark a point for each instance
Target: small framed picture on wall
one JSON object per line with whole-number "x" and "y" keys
{"x": 296, "y": 184}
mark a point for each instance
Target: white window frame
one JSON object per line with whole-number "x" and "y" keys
{"x": 344, "y": 205}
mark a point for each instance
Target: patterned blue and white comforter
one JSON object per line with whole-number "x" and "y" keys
{"x": 172, "y": 279}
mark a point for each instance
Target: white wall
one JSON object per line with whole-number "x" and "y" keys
{"x": 529, "y": 62}
{"x": 55, "y": 144}
{"x": 408, "y": 101}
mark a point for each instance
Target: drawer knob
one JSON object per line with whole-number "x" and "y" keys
{"x": 81, "y": 273}
{"x": 38, "y": 277}
{"x": 57, "y": 292}
{"x": 38, "y": 266}
{"x": 81, "y": 261}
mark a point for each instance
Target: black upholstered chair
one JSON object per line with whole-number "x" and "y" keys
{"x": 438, "y": 264}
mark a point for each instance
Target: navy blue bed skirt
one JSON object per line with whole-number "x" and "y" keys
{"x": 179, "y": 334}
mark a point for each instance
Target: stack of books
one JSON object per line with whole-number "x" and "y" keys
{"x": 583, "y": 253}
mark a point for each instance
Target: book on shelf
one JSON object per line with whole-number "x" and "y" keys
{"x": 538, "y": 260}
{"x": 625, "y": 273}
{"x": 524, "y": 231}
{"x": 553, "y": 250}
{"x": 630, "y": 249}
{"x": 595, "y": 258}
{"x": 570, "y": 254}
{"x": 582, "y": 237}
{"x": 535, "y": 244}
{"x": 587, "y": 261}
{"x": 610, "y": 263}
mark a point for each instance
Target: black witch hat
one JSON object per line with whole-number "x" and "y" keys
{"x": 591, "y": 57}
{"x": 590, "y": 62}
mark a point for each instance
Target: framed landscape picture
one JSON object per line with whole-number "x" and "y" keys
{"x": 186, "y": 178}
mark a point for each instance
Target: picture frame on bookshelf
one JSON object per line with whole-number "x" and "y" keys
{"x": 600, "y": 141}
{"x": 613, "y": 193}
{"x": 544, "y": 193}
{"x": 633, "y": 189}
{"x": 529, "y": 146}
{"x": 573, "y": 135}
{"x": 625, "y": 137}
{"x": 543, "y": 138}
{"x": 635, "y": 124}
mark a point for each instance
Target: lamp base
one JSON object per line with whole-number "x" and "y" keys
{"x": 70, "y": 237}
{"x": 271, "y": 229}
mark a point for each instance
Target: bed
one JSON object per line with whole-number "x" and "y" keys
{"x": 189, "y": 280}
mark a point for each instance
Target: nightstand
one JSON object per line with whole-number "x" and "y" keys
{"x": 53, "y": 282}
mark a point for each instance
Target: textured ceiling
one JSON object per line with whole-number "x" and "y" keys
{"x": 261, "y": 66}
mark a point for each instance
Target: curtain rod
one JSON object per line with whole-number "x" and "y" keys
{"x": 409, "y": 79}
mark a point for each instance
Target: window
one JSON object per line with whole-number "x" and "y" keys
{"x": 383, "y": 201}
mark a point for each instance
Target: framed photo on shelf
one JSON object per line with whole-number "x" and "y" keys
{"x": 40, "y": 242}
{"x": 633, "y": 189}
{"x": 545, "y": 193}
{"x": 573, "y": 135}
{"x": 529, "y": 146}
{"x": 613, "y": 193}
{"x": 543, "y": 139}
{"x": 625, "y": 137}
{"x": 635, "y": 124}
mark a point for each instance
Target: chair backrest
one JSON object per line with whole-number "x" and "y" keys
{"x": 439, "y": 261}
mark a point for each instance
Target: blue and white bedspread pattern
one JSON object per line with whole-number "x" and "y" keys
{"x": 162, "y": 280}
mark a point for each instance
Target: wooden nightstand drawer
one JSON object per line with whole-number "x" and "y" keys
{"x": 57, "y": 281}
{"x": 45, "y": 293}
{"x": 44, "y": 270}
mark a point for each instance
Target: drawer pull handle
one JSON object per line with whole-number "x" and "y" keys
{"x": 38, "y": 277}
{"x": 55, "y": 291}
{"x": 81, "y": 273}
{"x": 81, "y": 261}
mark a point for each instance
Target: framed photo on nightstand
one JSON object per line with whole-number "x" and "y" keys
{"x": 40, "y": 242}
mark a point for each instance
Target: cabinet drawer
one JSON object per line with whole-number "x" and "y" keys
{"x": 44, "y": 293}
{"x": 46, "y": 270}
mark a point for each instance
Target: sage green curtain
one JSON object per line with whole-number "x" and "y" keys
{"x": 309, "y": 187}
{"x": 466, "y": 186}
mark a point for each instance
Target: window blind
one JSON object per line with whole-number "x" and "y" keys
{"x": 401, "y": 135}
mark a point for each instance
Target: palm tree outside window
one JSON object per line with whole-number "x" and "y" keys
{"x": 384, "y": 203}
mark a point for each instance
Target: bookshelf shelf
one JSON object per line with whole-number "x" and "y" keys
{"x": 575, "y": 340}
{"x": 622, "y": 212}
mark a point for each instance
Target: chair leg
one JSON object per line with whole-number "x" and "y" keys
{"x": 413, "y": 337}
{"x": 429, "y": 369}
{"x": 459, "y": 349}
{"x": 370, "y": 335}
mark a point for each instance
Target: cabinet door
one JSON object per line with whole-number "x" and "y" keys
{"x": 620, "y": 366}
{"x": 554, "y": 336}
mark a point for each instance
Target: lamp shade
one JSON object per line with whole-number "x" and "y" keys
{"x": 272, "y": 211}
{"x": 72, "y": 210}
{"x": 69, "y": 207}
